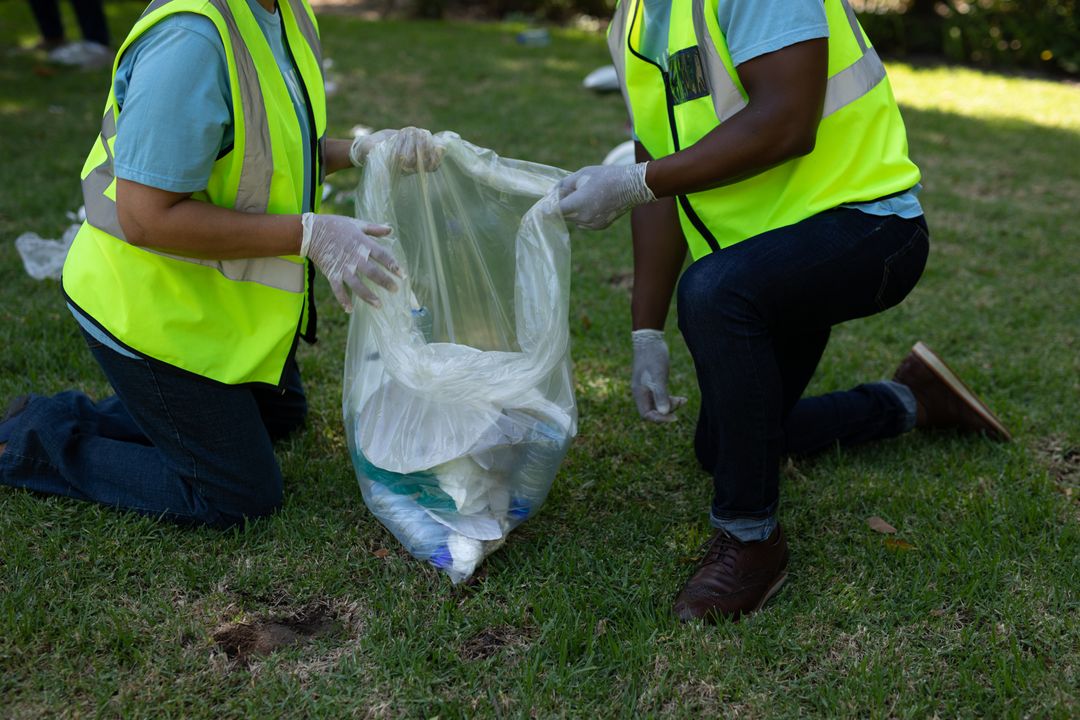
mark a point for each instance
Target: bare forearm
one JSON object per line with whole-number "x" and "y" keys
{"x": 176, "y": 223}
{"x": 659, "y": 253}
{"x": 336, "y": 155}
{"x": 745, "y": 145}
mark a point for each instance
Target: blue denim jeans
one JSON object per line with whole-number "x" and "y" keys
{"x": 168, "y": 444}
{"x": 757, "y": 316}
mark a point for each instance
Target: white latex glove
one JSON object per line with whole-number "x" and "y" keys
{"x": 414, "y": 148}
{"x": 345, "y": 250}
{"x": 649, "y": 379}
{"x": 595, "y": 196}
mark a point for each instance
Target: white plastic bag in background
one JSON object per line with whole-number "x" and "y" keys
{"x": 458, "y": 398}
{"x": 43, "y": 259}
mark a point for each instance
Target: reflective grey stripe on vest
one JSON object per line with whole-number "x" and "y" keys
{"x": 253, "y": 194}
{"x": 854, "y": 23}
{"x": 726, "y": 98}
{"x": 854, "y": 81}
{"x": 307, "y": 29}
{"x": 100, "y": 208}
{"x": 272, "y": 272}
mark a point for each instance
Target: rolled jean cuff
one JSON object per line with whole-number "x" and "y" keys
{"x": 745, "y": 529}
{"x": 906, "y": 398}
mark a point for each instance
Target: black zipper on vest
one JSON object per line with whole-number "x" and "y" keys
{"x": 683, "y": 200}
{"x": 313, "y": 147}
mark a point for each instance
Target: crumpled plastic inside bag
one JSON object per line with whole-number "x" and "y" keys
{"x": 458, "y": 398}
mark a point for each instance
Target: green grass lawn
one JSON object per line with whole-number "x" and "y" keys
{"x": 973, "y": 614}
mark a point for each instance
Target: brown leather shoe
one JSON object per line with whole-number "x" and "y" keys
{"x": 943, "y": 399}
{"x": 734, "y": 578}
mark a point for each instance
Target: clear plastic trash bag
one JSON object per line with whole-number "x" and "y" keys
{"x": 458, "y": 397}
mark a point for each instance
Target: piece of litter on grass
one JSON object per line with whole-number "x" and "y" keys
{"x": 44, "y": 258}
{"x": 360, "y": 131}
{"x": 878, "y": 525}
{"x": 898, "y": 544}
{"x": 602, "y": 79}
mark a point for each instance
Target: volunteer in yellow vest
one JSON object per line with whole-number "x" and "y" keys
{"x": 769, "y": 144}
{"x": 192, "y": 276}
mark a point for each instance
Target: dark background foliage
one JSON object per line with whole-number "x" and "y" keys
{"x": 1033, "y": 34}
{"x": 1042, "y": 35}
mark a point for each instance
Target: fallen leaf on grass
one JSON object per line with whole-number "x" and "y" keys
{"x": 898, "y": 544}
{"x": 381, "y": 553}
{"x": 878, "y": 525}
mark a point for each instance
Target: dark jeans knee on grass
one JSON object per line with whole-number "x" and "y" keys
{"x": 168, "y": 444}
{"x": 756, "y": 318}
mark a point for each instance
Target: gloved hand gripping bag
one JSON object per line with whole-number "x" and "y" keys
{"x": 458, "y": 397}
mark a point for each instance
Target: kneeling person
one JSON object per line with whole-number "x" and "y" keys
{"x": 770, "y": 144}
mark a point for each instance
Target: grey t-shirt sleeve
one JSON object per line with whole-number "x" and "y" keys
{"x": 172, "y": 87}
{"x": 757, "y": 27}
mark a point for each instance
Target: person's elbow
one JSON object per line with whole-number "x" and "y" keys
{"x": 804, "y": 142}
{"x": 133, "y": 226}
{"x": 799, "y": 137}
{"x": 142, "y": 212}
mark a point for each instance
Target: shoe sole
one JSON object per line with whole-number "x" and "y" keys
{"x": 773, "y": 589}
{"x": 954, "y": 383}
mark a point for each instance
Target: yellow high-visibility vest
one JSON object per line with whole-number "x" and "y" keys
{"x": 861, "y": 153}
{"x": 234, "y": 321}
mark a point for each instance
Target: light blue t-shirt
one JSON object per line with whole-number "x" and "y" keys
{"x": 756, "y": 27}
{"x": 172, "y": 87}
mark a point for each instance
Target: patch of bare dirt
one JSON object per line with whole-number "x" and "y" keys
{"x": 1063, "y": 462}
{"x": 493, "y": 640}
{"x": 243, "y": 641}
